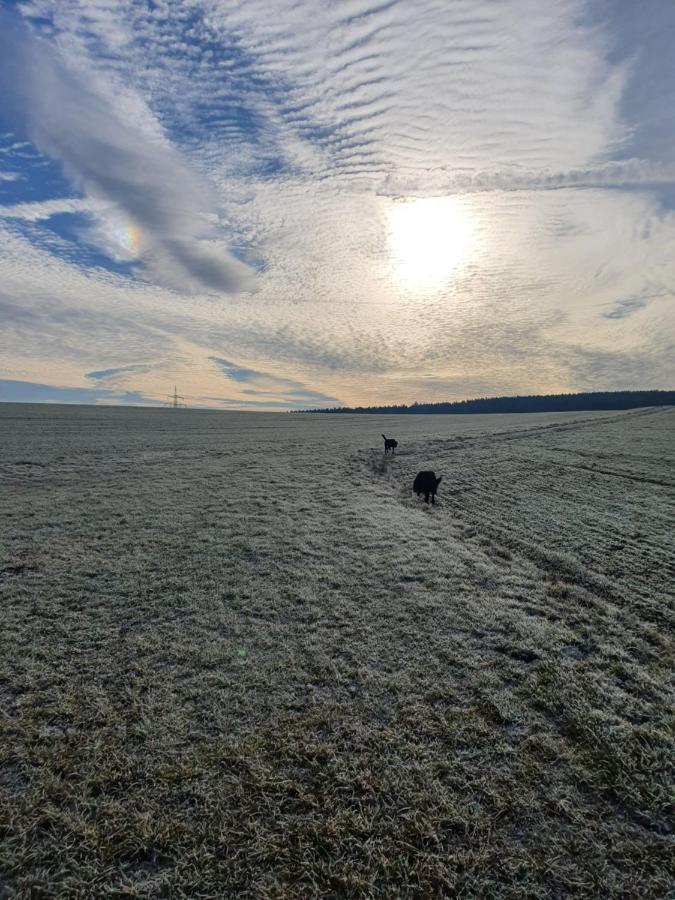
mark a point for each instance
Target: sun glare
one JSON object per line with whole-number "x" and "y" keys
{"x": 428, "y": 240}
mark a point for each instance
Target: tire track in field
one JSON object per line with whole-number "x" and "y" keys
{"x": 627, "y": 572}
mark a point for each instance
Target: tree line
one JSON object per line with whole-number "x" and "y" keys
{"x": 600, "y": 400}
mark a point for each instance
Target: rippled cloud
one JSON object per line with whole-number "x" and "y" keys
{"x": 191, "y": 184}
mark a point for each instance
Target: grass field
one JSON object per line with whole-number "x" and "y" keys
{"x": 239, "y": 658}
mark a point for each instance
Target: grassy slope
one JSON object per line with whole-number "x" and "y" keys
{"x": 230, "y": 667}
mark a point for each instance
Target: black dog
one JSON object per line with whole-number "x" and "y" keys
{"x": 389, "y": 444}
{"x": 426, "y": 483}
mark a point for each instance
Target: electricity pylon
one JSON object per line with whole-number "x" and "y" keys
{"x": 175, "y": 398}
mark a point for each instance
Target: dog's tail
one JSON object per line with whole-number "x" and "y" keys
{"x": 384, "y": 437}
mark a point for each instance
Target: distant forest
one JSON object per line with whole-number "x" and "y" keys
{"x": 600, "y": 400}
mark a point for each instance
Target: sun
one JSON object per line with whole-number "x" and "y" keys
{"x": 428, "y": 240}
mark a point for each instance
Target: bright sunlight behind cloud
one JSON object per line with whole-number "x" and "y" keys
{"x": 428, "y": 239}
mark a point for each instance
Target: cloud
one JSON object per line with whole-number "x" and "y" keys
{"x": 625, "y": 307}
{"x": 612, "y": 174}
{"x": 311, "y": 120}
{"x": 261, "y": 405}
{"x": 111, "y": 376}
{"x": 110, "y": 158}
{"x": 280, "y": 391}
{"x": 236, "y": 373}
{"x": 43, "y": 210}
{"x": 12, "y": 391}
{"x": 605, "y": 370}
{"x": 395, "y": 88}
{"x": 47, "y": 323}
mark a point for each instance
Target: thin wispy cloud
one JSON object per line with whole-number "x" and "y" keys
{"x": 166, "y": 206}
{"x": 268, "y": 387}
{"x": 111, "y": 377}
{"x": 30, "y": 392}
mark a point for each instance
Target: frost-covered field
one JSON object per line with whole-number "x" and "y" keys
{"x": 239, "y": 659}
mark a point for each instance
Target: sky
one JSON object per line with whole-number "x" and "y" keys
{"x": 283, "y": 204}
